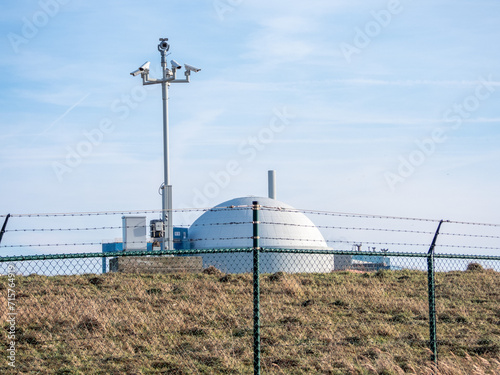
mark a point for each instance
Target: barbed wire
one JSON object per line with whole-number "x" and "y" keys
{"x": 469, "y": 235}
{"x": 280, "y": 239}
{"x": 223, "y": 223}
{"x": 246, "y": 223}
{"x": 128, "y": 212}
{"x": 53, "y": 244}
{"x": 370, "y": 216}
{"x": 220, "y": 238}
{"x": 249, "y": 207}
{"x": 292, "y": 239}
{"x": 116, "y": 227}
{"x": 346, "y": 214}
{"x": 261, "y": 222}
{"x": 347, "y": 228}
{"x": 378, "y": 229}
{"x": 102, "y": 213}
{"x": 128, "y": 242}
{"x": 81, "y": 244}
{"x": 65, "y": 229}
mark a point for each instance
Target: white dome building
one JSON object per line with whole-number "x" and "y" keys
{"x": 229, "y": 225}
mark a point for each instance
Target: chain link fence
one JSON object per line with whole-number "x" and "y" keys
{"x": 78, "y": 320}
{"x": 259, "y": 308}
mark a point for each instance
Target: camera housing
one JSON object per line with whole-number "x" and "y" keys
{"x": 163, "y": 46}
{"x": 191, "y": 68}
{"x": 143, "y": 68}
{"x": 175, "y": 64}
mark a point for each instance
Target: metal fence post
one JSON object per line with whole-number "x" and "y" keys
{"x": 256, "y": 290}
{"x": 432, "y": 297}
{"x": 3, "y": 226}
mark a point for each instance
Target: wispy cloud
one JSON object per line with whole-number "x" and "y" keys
{"x": 58, "y": 119}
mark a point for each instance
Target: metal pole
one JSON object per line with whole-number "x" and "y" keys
{"x": 256, "y": 290}
{"x": 168, "y": 77}
{"x": 432, "y": 297}
{"x": 166, "y": 193}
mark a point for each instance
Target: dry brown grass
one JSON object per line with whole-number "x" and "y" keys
{"x": 338, "y": 323}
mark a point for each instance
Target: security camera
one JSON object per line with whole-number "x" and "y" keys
{"x": 163, "y": 46}
{"x": 191, "y": 68}
{"x": 144, "y": 66}
{"x": 175, "y": 64}
{"x": 141, "y": 69}
{"x": 135, "y": 72}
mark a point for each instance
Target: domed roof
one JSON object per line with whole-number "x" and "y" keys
{"x": 229, "y": 225}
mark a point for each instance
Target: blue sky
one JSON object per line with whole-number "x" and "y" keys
{"x": 380, "y": 107}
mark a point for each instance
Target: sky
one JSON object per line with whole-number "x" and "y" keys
{"x": 377, "y": 107}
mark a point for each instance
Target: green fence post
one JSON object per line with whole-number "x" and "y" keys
{"x": 432, "y": 297}
{"x": 3, "y": 226}
{"x": 256, "y": 290}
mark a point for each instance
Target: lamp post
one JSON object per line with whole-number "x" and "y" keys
{"x": 169, "y": 76}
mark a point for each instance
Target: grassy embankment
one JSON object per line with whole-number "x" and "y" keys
{"x": 337, "y": 323}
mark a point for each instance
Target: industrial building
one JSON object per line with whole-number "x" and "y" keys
{"x": 229, "y": 226}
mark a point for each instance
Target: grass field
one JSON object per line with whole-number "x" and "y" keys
{"x": 335, "y": 323}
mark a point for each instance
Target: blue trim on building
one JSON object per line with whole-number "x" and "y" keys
{"x": 181, "y": 242}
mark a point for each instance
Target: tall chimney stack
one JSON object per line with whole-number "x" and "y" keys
{"x": 271, "y": 178}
